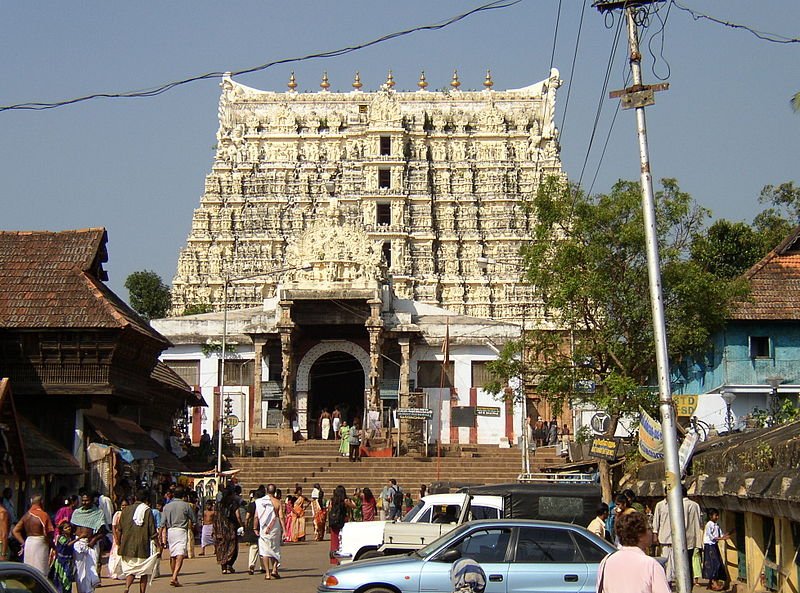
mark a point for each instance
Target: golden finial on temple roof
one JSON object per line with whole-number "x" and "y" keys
{"x": 390, "y": 80}
{"x": 455, "y": 83}
{"x": 488, "y": 82}
{"x": 422, "y": 84}
{"x": 292, "y": 84}
{"x": 325, "y": 85}
{"x": 357, "y": 81}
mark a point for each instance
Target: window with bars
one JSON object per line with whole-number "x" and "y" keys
{"x": 188, "y": 370}
{"x": 480, "y": 373}
{"x": 238, "y": 372}
{"x": 429, "y": 374}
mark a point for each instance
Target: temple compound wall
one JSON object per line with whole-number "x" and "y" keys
{"x": 437, "y": 180}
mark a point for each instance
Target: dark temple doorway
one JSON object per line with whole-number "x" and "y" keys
{"x": 335, "y": 379}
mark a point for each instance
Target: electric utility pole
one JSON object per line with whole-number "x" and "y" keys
{"x": 638, "y": 96}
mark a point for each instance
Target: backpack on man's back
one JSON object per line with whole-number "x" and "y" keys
{"x": 397, "y": 497}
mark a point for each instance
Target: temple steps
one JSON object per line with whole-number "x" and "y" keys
{"x": 318, "y": 461}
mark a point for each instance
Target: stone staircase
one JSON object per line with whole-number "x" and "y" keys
{"x": 309, "y": 462}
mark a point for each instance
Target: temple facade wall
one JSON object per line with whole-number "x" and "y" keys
{"x": 436, "y": 179}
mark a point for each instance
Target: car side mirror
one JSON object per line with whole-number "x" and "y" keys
{"x": 450, "y": 555}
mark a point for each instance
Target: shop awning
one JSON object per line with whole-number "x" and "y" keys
{"x": 129, "y": 436}
{"x": 45, "y": 456}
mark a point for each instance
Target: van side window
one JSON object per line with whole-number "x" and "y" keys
{"x": 481, "y": 512}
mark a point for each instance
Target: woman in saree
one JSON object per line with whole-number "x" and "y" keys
{"x": 344, "y": 440}
{"x": 368, "y": 505}
{"x": 288, "y": 521}
{"x": 226, "y": 526}
{"x": 355, "y": 514}
{"x": 301, "y": 503}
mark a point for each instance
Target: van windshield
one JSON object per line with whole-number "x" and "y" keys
{"x": 409, "y": 516}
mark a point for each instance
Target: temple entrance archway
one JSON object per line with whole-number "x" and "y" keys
{"x": 332, "y": 374}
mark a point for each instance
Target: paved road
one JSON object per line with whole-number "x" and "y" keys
{"x": 302, "y": 567}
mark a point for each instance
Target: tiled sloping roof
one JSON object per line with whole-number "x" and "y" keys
{"x": 55, "y": 280}
{"x": 165, "y": 376}
{"x": 45, "y": 456}
{"x": 774, "y": 284}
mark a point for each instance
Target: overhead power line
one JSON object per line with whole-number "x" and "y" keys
{"x": 155, "y": 91}
{"x": 763, "y": 35}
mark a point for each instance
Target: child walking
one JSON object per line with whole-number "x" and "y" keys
{"x": 713, "y": 566}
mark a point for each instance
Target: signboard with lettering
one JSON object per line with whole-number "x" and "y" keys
{"x": 415, "y": 413}
{"x": 604, "y": 448}
{"x": 686, "y": 404}
{"x": 490, "y": 411}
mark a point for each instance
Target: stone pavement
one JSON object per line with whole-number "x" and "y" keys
{"x": 303, "y": 565}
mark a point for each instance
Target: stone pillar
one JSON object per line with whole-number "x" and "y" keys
{"x": 256, "y": 421}
{"x": 286, "y": 328}
{"x": 405, "y": 365}
{"x": 375, "y": 328}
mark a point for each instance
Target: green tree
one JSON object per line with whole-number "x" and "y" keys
{"x": 728, "y": 249}
{"x": 149, "y": 296}
{"x": 588, "y": 262}
{"x": 198, "y": 308}
{"x": 782, "y": 215}
{"x": 795, "y": 102}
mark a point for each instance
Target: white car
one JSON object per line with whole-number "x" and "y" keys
{"x": 433, "y": 516}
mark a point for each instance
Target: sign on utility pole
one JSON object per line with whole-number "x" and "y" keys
{"x": 638, "y": 96}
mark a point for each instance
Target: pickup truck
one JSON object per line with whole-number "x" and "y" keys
{"x": 433, "y": 516}
{"x": 437, "y": 514}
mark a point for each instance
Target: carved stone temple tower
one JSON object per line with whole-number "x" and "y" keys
{"x": 353, "y": 232}
{"x": 437, "y": 180}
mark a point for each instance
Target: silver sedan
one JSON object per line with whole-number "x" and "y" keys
{"x": 516, "y": 555}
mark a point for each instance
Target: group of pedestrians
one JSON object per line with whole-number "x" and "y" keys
{"x": 68, "y": 546}
{"x": 542, "y": 433}
{"x": 621, "y": 523}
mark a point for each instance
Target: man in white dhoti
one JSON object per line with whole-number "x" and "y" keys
{"x": 176, "y": 523}
{"x": 35, "y": 532}
{"x": 89, "y": 529}
{"x": 137, "y": 542}
{"x": 268, "y": 526}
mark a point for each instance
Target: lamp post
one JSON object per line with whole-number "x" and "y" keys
{"x": 483, "y": 263}
{"x": 774, "y": 381}
{"x": 728, "y": 397}
{"x": 227, "y": 281}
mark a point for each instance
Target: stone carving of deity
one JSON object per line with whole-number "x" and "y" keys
{"x": 334, "y": 122}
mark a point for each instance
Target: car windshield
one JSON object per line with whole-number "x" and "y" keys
{"x": 413, "y": 512}
{"x": 436, "y": 544}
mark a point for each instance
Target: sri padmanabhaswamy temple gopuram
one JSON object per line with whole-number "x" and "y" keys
{"x": 347, "y": 235}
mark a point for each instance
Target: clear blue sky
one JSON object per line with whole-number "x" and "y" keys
{"x": 137, "y": 166}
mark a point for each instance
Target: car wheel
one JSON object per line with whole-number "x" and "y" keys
{"x": 379, "y": 590}
{"x": 372, "y": 554}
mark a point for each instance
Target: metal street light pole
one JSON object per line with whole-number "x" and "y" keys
{"x": 728, "y": 397}
{"x": 221, "y": 423}
{"x": 226, "y": 284}
{"x": 525, "y": 445}
{"x": 639, "y": 97}
{"x": 774, "y": 382}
